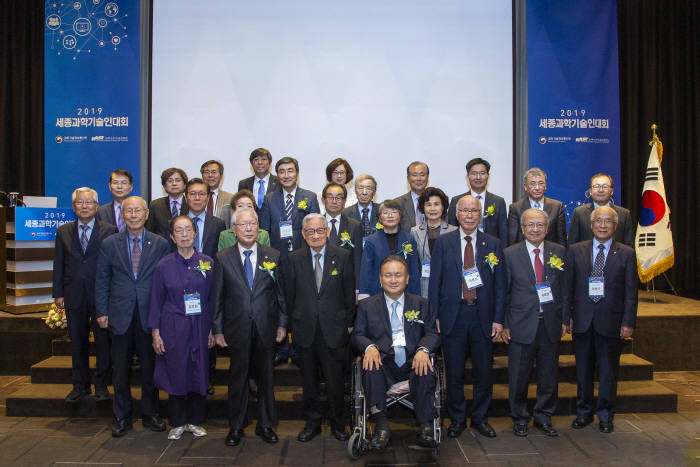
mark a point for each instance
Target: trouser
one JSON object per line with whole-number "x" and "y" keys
{"x": 189, "y": 409}
{"x": 81, "y": 320}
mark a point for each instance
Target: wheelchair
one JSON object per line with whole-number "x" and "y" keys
{"x": 398, "y": 394}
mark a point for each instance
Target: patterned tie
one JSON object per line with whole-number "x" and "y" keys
{"x": 598, "y": 265}
{"x": 210, "y": 204}
{"x": 288, "y": 206}
{"x": 318, "y": 271}
{"x": 468, "y": 263}
{"x": 366, "y": 229}
{"x": 174, "y": 211}
{"x": 248, "y": 266}
{"x": 397, "y": 325}
{"x": 333, "y": 235}
{"x": 537, "y": 205}
{"x": 481, "y": 219}
{"x": 196, "y": 245}
{"x": 539, "y": 268}
{"x": 261, "y": 193}
{"x": 83, "y": 236}
{"x": 135, "y": 257}
{"x": 120, "y": 220}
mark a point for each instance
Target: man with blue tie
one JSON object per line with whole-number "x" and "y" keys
{"x": 366, "y": 211}
{"x": 602, "y": 280}
{"x": 120, "y": 184}
{"x": 467, "y": 286}
{"x": 208, "y": 227}
{"x": 262, "y": 182}
{"x": 163, "y": 209}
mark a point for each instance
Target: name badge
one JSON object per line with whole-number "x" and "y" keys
{"x": 193, "y": 305}
{"x": 398, "y": 338}
{"x": 286, "y": 229}
{"x": 544, "y": 291}
{"x": 472, "y": 278}
{"x": 596, "y": 287}
{"x": 425, "y": 270}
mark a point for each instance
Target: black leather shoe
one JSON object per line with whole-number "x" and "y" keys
{"x": 340, "y": 434}
{"x": 424, "y": 438}
{"x": 606, "y": 427}
{"x": 234, "y": 437}
{"x": 120, "y": 427}
{"x": 102, "y": 394}
{"x": 308, "y": 433}
{"x": 267, "y": 434}
{"x": 380, "y": 440}
{"x": 77, "y": 394}
{"x": 547, "y": 429}
{"x": 210, "y": 390}
{"x": 453, "y": 431}
{"x": 581, "y": 422}
{"x": 520, "y": 429}
{"x": 153, "y": 422}
{"x": 484, "y": 429}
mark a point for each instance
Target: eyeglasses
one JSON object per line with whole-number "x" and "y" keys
{"x": 364, "y": 188}
{"x": 532, "y": 225}
{"x": 319, "y": 231}
{"x": 197, "y": 194}
{"x": 598, "y": 186}
{"x": 247, "y": 225}
{"x": 80, "y": 202}
{"x": 469, "y": 211}
{"x": 133, "y": 210}
{"x": 389, "y": 212}
{"x": 536, "y": 184}
{"x": 601, "y": 221}
{"x": 339, "y": 172}
{"x": 335, "y": 198}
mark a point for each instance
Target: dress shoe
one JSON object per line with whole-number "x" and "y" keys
{"x": 484, "y": 429}
{"x": 234, "y": 437}
{"x": 520, "y": 429}
{"x": 197, "y": 430}
{"x": 581, "y": 422}
{"x": 176, "y": 433}
{"x": 424, "y": 437}
{"x": 210, "y": 390}
{"x": 120, "y": 427}
{"x": 153, "y": 422}
{"x": 547, "y": 429}
{"x": 102, "y": 394}
{"x": 380, "y": 440}
{"x": 309, "y": 432}
{"x": 77, "y": 394}
{"x": 340, "y": 434}
{"x": 267, "y": 434}
{"x": 454, "y": 430}
{"x": 606, "y": 427}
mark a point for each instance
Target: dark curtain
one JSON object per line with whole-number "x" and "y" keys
{"x": 22, "y": 96}
{"x": 659, "y": 48}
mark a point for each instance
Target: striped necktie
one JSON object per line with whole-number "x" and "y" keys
{"x": 288, "y": 207}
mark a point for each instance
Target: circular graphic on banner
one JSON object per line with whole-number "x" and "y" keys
{"x": 111, "y": 9}
{"x": 53, "y": 22}
{"x": 653, "y": 208}
{"x": 77, "y": 5}
{"x": 102, "y": 23}
{"x": 69, "y": 42}
{"x": 82, "y": 26}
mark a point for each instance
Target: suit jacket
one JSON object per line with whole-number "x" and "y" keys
{"x": 446, "y": 276}
{"x": 494, "y": 224}
{"x": 117, "y": 292}
{"x": 373, "y": 326}
{"x": 273, "y": 212}
{"x": 222, "y": 209}
{"x": 247, "y": 184}
{"x": 353, "y": 213}
{"x": 375, "y": 250}
{"x": 354, "y": 229}
{"x": 556, "y": 228}
{"x": 105, "y": 213}
{"x": 333, "y": 306}
{"x": 419, "y": 234}
{"x": 408, "y": 211}
{"x": 213, "y": 226}
{"x": 159, "y": 217}
{"x": 619, "y": 305}
{"x": 522, "y": 307}
{"x": 236, "y": 307}
{"x": 580, "y": 227}
{"x": 73, "y": 270}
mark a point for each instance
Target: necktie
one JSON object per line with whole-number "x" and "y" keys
{"x": 261, "y": 193}
{"x": 318, "y": 271}
{"x": 120, "y": 220}
{"x": 288, "y": 206}
{"x": 537, "y": 205}
{"x": 598, "y": 265}
{"x": 539, "y": 268}
{"x": 248, "y": 266}
{"x": 174, "y": 211}
{"x": 210, "y": 204}
{"x": 468, "y": 263}
{"x": 333, "y": 235}
{"x": 481, "y": 219}
{"x": 83, "y": 236}
{"x": 196, "y": 245}
{"x": 366, "y": 229}
{"x": 397, "y": 325}
{"x": 135, "y": 257}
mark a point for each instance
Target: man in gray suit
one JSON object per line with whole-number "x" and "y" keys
{"x": 122, "y": 298}
{"x": 535, "y": 184}
{"x": 219, "y": 203}
{"x": 533, "y": 328}
{"x": 417, "y": 174}
{"x": 601, "y": 189}
{"x": 366, "y": 211}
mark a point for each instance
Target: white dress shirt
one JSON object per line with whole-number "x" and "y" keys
{"x": 253, "y": 255}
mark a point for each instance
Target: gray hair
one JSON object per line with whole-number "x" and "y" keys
{"x": 544, "y": 213}
{"x": 312, "y": 216}
{"x": 615, "y": 216}
{"x": 143, "y": 201}
{"x": 84, "y": 189}
{"x": 363, "y": 177}
{"x": 534, "y": 172}
{"x": 235, "y": 214}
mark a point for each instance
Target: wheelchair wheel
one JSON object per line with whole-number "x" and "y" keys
{"x": 355, "y": 446}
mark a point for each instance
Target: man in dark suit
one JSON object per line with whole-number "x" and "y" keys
{"x": 75, "y": 260}
{"x": 120, "y": 184}
{"x": 161, "y": 210}
{"x": 466, "y": 288}
{"x": 262, "y": 182}
{"x": 320, "y": 286}
{"x": 535, "y": 184}
{"x": 248, "y": 315}
{"x": 283, "y": 210}
{"x": 365, "y": 210}
{"x": 219, "y": 202}
{"x": 534, "y": 299}
{"x": 601, "y": 190}
{"x": 396, "y": 332}
{"x": 208, "y": 227}
{"x": 343, "y": 231}
{"x": 122, "y": 295}
{"x": 417, "y": 174}
{"x": 602, "y": 280}
{"x": 493, "y": 215}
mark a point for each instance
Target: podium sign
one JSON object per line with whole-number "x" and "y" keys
{"x": 33, "y": 224}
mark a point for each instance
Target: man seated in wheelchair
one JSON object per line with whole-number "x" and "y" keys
{"x": 396, "y": 332}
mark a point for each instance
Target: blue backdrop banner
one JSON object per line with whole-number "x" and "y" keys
{"x": 91, "y": 90}
{"x": 573, "y": 95}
